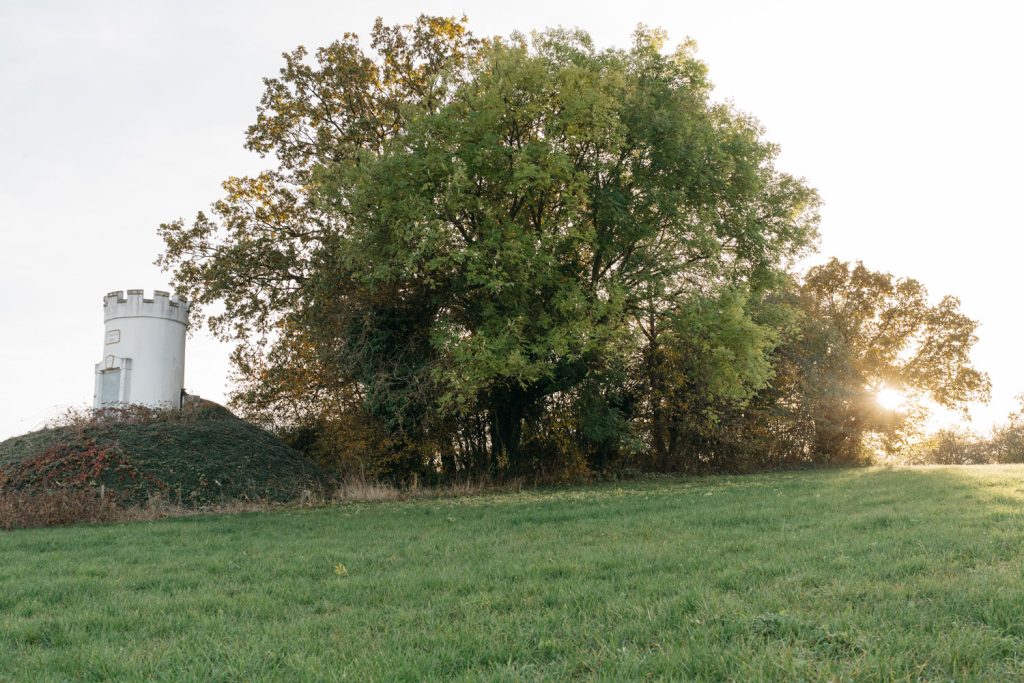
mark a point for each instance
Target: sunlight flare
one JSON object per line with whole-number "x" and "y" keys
{"x": 890, "y": 399}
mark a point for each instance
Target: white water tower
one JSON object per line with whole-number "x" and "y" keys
{"x": 143, "y": 350}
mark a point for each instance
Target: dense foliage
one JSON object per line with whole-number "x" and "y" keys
{"x": 529, "y": 256}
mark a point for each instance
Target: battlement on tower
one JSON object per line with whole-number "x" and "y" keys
{"x": 136, "y": 305}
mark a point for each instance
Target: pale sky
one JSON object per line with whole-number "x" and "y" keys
{"x": 117, "y": 116}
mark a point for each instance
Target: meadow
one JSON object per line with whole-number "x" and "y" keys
{"x": 865, "y": 574}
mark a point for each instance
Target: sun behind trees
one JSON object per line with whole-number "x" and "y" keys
{"x": 527, "y": 256}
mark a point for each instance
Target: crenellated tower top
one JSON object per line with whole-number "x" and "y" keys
{"x": 135, "y": 305}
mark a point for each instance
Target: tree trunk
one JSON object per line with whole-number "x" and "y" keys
{"x": 506, "y": 433}
{"x": 659, "y": 421}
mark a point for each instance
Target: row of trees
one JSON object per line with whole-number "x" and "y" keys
{"x": 528, "y": 256}
{"x": 960, "y": 446}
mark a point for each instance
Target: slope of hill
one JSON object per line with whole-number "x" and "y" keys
{"x": 835, "y": 575}
{"x": 197, "y": 457}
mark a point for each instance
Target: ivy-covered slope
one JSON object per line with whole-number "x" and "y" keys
{"x": 196, "y": 457}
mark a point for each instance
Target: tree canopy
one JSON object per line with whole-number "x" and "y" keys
{"x": 864, "y": 332}
{"x": 517, "y": 254}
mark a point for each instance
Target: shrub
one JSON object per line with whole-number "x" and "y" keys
{"x": 951, "y": 446}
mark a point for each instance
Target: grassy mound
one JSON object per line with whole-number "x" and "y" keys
{"x": 200, "y": 456}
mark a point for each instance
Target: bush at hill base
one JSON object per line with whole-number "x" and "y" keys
{"x": 201, "y": 455}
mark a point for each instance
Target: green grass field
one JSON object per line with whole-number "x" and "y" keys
{"x": 909, "y": 574}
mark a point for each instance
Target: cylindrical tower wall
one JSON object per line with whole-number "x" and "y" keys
{"x": 145, "y": 339}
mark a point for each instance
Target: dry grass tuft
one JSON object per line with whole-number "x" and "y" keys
{"x": 59, "y": 507}
{"x": 356, "y": 490}
{"x": 54, "y": 508}
{"x": 363, "y": 491}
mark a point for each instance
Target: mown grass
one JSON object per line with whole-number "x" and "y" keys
{"x": 909, "y": 574}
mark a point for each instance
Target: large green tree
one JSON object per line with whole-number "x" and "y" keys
{"x": 866, "y": 332}
{"x": 857, "y": 333}
{"x": 463, "y": 237}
